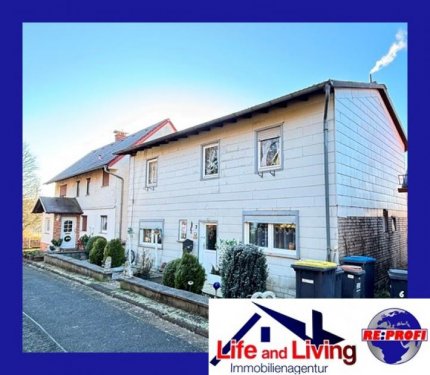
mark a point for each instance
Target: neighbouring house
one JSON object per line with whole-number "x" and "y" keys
{"x": 91, "y": 195}
{"x": 309, "y": 175}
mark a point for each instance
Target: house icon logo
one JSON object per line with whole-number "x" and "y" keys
{"x": 320, "y": 345}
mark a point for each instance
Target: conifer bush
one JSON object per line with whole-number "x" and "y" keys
{"x": 190, "y": 274}
{"x": 169, "y": 272}
{"x": 243, "y": 271}
{"x": 97, "y": 251}
{"x": 90, "y": 243}
{"x": 116, "y": 251}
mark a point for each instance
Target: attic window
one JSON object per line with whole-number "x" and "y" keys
{"x": 151, "y": 172}
{"x": 63, "y": 190}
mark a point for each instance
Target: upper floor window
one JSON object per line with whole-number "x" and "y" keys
{"x": 269, "y": 149}
{"x": 63, "y": 190}
{"x": 210, "y": 162}
{"x": 151, "y": 172}
{"x": 105, "y": 179}
{"x": 78, "y": 183}
{"x": 88, "y": 185}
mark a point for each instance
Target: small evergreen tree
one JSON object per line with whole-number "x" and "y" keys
{"x": 97, "y": 251}
{"x": 116, "y": 251}
{"x": 169, "y": 272}
{"x": 190, "y": 275}
{"x": 90, "y": 243}
{"x": 243, "y": 271}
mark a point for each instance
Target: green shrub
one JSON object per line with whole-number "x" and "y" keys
{"x": 115, "y": 250}
{"x": 144, "y": 268}
{"x": 169, "y": 272}
{"x": 97, "y": 251}
{"x": 243, "y": 271}
{"x": 57, "y": 242}
{"x": 190, "y": 275}
{"x": 91, "y": 242}
{"x": 83, "y": 240}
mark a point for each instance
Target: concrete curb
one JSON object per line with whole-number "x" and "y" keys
{"x": 99, "y": 287}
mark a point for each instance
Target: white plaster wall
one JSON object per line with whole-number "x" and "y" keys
{"x": 181, "y": 194}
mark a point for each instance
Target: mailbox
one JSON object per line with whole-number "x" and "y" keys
{"x": 187, "y": 246}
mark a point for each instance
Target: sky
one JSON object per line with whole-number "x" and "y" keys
{"x": 82, "y": 81}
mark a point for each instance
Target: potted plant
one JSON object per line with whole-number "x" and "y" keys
{"x": 57, "y": 243}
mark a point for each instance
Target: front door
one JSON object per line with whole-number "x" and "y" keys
{"x": 68, "y": 226}
{"x": 207, "y": 246}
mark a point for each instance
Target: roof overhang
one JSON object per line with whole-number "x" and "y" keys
{"x": 281, "y": 102}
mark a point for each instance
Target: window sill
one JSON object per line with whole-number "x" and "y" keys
{"x": 276, "y": 254}
{"x": 150, "y": 246}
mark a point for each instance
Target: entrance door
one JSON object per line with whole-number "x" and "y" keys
{"x": 207, "y": 246}
{"x": 68, "y": 225}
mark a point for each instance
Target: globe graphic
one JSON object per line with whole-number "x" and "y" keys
{"x": 394, "y": 352}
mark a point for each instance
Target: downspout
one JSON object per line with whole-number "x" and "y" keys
{"x": 105, "y": 168}
{"x": 327, "y": 90}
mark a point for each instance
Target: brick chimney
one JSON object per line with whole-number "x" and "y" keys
{"x": 119, "y": 135}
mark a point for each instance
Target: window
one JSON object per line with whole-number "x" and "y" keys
{"x": 77, "y": 187}
{"x": 151, "y": 233}
{"x": 210, "y": 162}
{"x": 63, "y": 191}
{"x": 103, "y": 224}
{"x": 151, "y": 172}
{"x": 393, "y": 223}
{"x": 67, "y": 226}
{"x": 275, "y": 232}
{"x": 183, "y": 227}
{"x": 105, "y": 179}
{"x": 84, "y": 223}
{"x": 47, "y": 225}
{"x": 88, "y": 186}
{"x": 211, "y": 236}
{"x": 385, "y": 220}
{"x": 269, "y": 149}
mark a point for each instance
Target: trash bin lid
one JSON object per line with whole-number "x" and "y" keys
{"x": 339, "y": 270}
{"x": 397, "y": 274}
{"x": 358, "y": 259}
{"x": 356, "y": 270}
{"x": 317, "y": 265}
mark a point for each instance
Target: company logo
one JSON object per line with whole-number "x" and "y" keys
{"x": 323, "y": 345}
{"x": 394, "y": 336}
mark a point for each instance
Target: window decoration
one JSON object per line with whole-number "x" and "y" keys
{"x": 210, "y": 160}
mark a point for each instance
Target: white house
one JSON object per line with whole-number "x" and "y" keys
{"x": 309, "y": 175}
{"x": 91, "y": 195}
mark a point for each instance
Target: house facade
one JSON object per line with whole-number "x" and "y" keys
{"x": 310, "y": 175}
{"x": 94, "y": 191}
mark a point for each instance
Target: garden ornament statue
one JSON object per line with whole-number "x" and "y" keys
{"x": 216, "y": 285}
{"x": 266, "y": 294}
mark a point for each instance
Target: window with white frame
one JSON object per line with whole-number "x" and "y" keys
{"x": 151, "y": 172}
{"x": 275, "y": 233}
{"x": 47, "y": 224}
{"x": 269, "y": 149}
{"x": 210, "y": 160}
{"x": 103, "y": 223}
{"x": 151, "y": 233}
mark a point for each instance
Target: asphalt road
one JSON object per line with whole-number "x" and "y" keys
{"x": 64, "y": 316}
